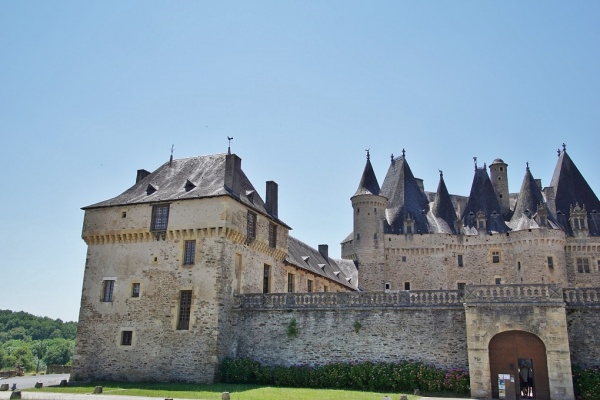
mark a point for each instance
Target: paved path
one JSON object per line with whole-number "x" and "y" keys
{"x": 27, "y": 382}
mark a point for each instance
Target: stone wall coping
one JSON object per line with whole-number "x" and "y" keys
{"x": 516, "y": 293}
{"x": 582, "y": 297}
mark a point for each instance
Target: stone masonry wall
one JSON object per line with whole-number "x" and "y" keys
{"x": 583, "y": 320}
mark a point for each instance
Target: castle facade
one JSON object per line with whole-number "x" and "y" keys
{"x": 190, "y": 266}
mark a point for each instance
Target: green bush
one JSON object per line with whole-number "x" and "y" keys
{"x": 586, "y": 382}
{"x": 403, "y": 376}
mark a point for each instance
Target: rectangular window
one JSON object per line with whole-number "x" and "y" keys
{"x": 291, "y": 283}
{"x": 135, "y": 290}
{"x": 406, "y": 285}
{"x": 481, "y": 225}
{"x": 189, "y": 257}
{"x": 409, "y": 229}
{"x": 498, "y": 281}
{"x": 325, "y": 288}
{"x": 495, "y": 257}
{"x": 459, "y": 260}
{"x": 238, "y": 273}
{"x": 185, "y": 306}
{"x": 267, "y": 279}
{"x": 126, "y": 338}
{"x": 309, "y": 286}
{"x": 460, "y": 286}
{"x": 272, "y": 235}
{"x": 251, "y": 225}
{"x": 388, "y": 286}
{"x": 109, "y": 286}
{"x": 160, "y": 217}
{"x": 550, "y": 262}
{"x": 583, "y": 265}
{"x": 403, "y": 258}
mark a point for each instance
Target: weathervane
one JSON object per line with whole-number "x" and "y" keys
{"x": 527, "y": 163}
{"x": 403, "y": 152}
{"x": 564, "y": 147}
{"x": 475, "y": 161}
{"x": 441, "y": 173}
{"x": 368, "y": 155}
{"x": 171, "y": 158}
{"x": 229, "y": 139}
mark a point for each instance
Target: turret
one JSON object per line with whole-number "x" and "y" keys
{"x": 499, "y": 178}
{"x": 369, "y": 211}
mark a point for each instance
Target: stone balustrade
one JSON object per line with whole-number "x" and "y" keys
{"x": 413, "y": 298}
{"x": 582, "y": 296}
{"x": 534, "y": 293}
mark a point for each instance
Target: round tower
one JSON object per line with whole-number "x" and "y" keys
{"x": 499, "y": 178}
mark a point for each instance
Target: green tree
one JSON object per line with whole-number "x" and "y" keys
{"x": 39, "y": 349}
{"x": 59, "y": 352}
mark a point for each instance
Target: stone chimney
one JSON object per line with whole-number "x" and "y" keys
{"x": 271, "y": 203}
{"x": 233, "y": 167}
{"x": 141, "y": 174}
{"x": 324, "y": 250}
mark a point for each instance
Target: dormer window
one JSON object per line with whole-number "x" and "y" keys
{"x": 481, "y": 223}
{"x": 409, "y": 224}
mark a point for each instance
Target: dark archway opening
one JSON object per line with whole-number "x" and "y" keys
{"x": 523, "y": 356}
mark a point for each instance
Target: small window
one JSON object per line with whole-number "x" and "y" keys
{"x": 325, "y": 288}
{"x": 109, "y": 286}
{"x": 480, "y": 224}
{"x": 519, "y": 265}
{"x": 583, "y": 265}
{"x": 309, "y": 288}
{"x": 550, "y": 262}
{"x": 185, "y": 307}
{"x": 291, "y": 283}
{"x": 251, "y": 225}
{"x": 459, "y": 260}
{"x": 126, "y": 338}
{"x": 272, "y": 235}
{"x": 403, "y": 258}
{"x": 160, "y": 217}
{"x": 358, "y": 236}
{"x": 135, "y": 290}
{"x": 124, "y": 214}
{"x": 460, "y": 286}
{"x": 406, "y": 285}
{"x": 266, "y": 279}
{"x": 388, "y": 286}
{"x": 496, "y": 257}
{"x": 409, "y": 229}
{"x": 189, "y": 256}
{"x": 498, "y": 281}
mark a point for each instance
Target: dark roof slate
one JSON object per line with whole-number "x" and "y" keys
{"x": 305, "y": 257}
{"x": 368, "y": 182}
{"x": 190, "y": 178}
{"x": 442, "y": 206}
{"x": 571, "y": 188}
{"x": 483, "y": 198}
{"x": 405, "y": 197}
{"x": 526, "y": 209}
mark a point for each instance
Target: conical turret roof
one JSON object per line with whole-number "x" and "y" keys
{"x": 483, "y": 199}
{"x": 368, "y": 182}
{"x": 442, "y": 205}
{"x": 571, "y": 188}
{"x": 405, "y": 198}
{"x": 528, "y": 206}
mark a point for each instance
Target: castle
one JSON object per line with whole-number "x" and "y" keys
{"x": 190, "y": 266}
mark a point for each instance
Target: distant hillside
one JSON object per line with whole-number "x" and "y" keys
{"x": 24, "y": 326}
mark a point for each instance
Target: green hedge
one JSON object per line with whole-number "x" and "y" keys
{"x": 586, "y": 383}
{"x": 403, "y": 376}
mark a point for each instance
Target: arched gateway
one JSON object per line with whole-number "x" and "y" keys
{"x": 521, "y": 355}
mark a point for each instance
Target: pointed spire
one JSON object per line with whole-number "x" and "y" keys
{"x": 483, "y": 199}
{"x": 529, "y": 202}
{"x": 368, "y": 182}
{"x": 442, "y": 205}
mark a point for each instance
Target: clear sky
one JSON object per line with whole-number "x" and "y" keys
{"x": 91, "y": 91}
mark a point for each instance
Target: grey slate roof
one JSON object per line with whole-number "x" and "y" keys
{"x": 530, "y": 199}
{"x": 368, "y": 182}
{"x": 191, "y": 178}
{"x": 305, "y": 257}
{"x": 483, "y": 198}
{"x": 571, "y": 188}
{"x": 404, "y": 198}
{"x": 443, "y": 208}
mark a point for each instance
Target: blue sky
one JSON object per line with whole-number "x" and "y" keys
{"x": 92, "y": 91}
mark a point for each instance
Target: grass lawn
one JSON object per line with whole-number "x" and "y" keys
{"x": 214, "y": 391}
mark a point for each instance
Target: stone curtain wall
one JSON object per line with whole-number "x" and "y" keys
{"x": 427, "y": 326}
{"x": 583, "y": 320}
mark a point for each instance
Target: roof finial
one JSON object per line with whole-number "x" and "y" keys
{"x": 527, "y": 163}
{"x": 171, "y": 158}
{"x": 229, "y": 139}
{"x": 558, "y": 151}
{"x": 368, "y": 155}
{"x": 392, "y": 158}
{"x": 475, "y": 161}
{"x": 564, "y": 148}
{"x": 441, "y": 173}
{"x": 403, "y": 152}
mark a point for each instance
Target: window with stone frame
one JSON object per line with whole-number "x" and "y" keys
{"x": 251, "y": 225}
{"x": 550, "y": 262}
{"x": 459, "y": 260}
{"x": 583, "y": 265}
{"x": 460, "y": 286}
{"x": 325, "y": 288}
{"x": 272, "y": 235}
{"x": 496, "y": 256}
{"x": 189, "y": 252}
{"x": 160, "y": 217}
{"x": 406, "y": 285}
{"x": 185, "y": 308}
{"x": 135, "y": 289}
{"x": 291, "y": 283}
{"x": 498, "y": 281}
{"x": 107, "y": 290}
{"x": 309, "y": 286}
{"x": 126, "y": 338}
{"x": 267, "y": 279}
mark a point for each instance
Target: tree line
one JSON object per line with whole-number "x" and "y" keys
{"x": 34, "y": 342}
